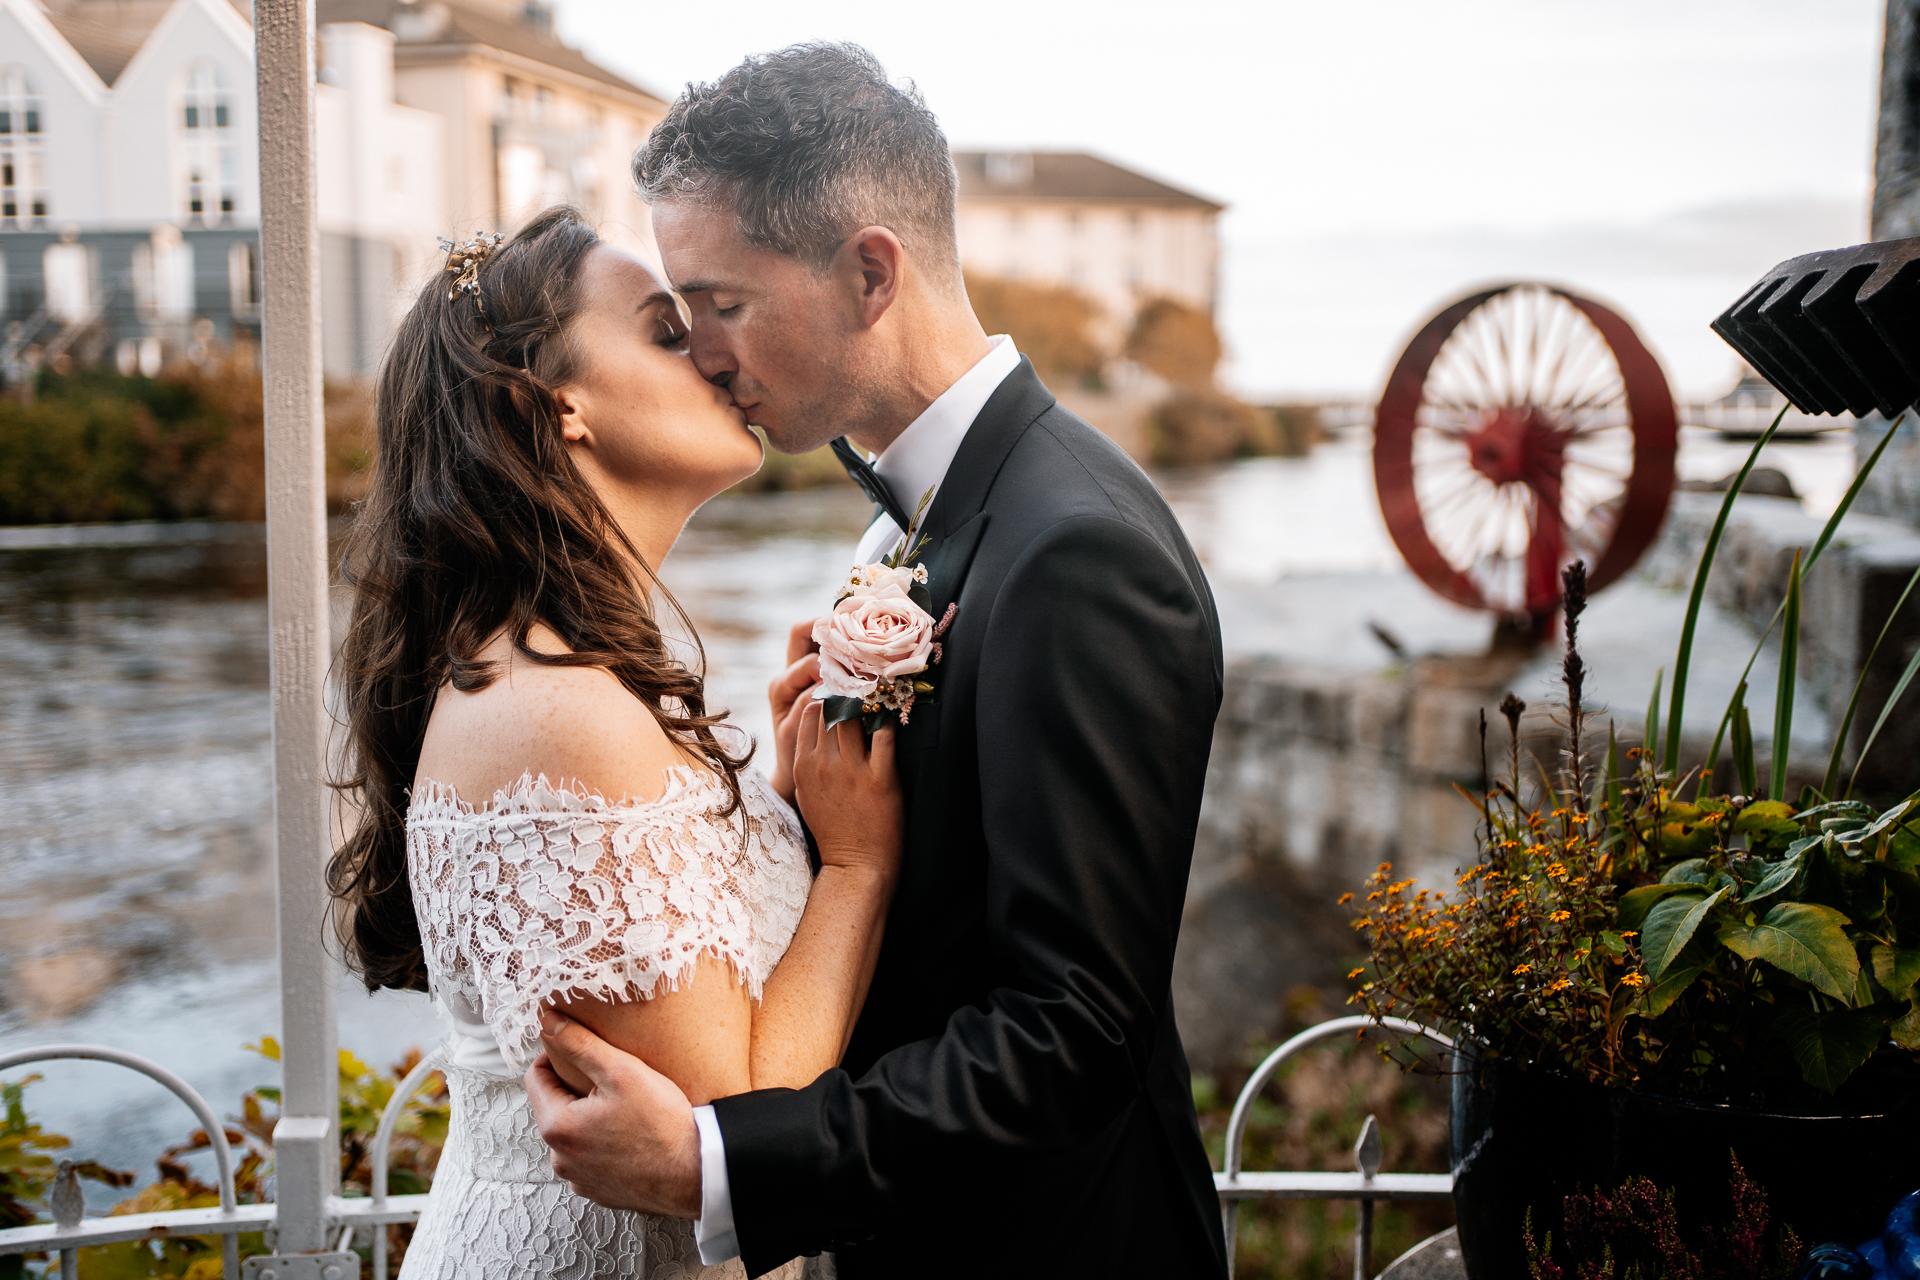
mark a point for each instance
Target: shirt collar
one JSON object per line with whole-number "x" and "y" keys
{"x": 918, "y": 458}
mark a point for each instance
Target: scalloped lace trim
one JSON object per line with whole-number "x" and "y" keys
{"x": 551, "y": 891}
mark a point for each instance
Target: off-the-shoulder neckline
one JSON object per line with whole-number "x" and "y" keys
{"x": 536, "y": 794}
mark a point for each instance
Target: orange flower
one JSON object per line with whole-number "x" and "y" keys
{"x": 1635, "y": 979}
{"x": 1561, "y": 984}
{"x": 1559, "y": 916}
{"x": 1356, "y": 973}
{"x": 1523, "y": 968}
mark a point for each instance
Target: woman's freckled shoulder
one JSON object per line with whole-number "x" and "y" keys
{"x": 574, "y": 723}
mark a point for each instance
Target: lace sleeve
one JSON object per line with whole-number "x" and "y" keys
{"x": 552, "y": 893}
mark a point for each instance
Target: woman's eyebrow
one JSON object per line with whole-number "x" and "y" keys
{"x": 656, "y": 297}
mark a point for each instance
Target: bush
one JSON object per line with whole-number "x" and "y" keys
{"x": 1176, "y": 341}
{"x": 189, "y": 444}
{"x": 1194, "y": 427}
{"x": 1054, "y": 326}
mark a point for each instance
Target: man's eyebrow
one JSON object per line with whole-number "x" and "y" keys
{"x": 698, "y": 286}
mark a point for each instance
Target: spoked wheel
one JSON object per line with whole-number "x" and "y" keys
{"x": 1525, "y": 427}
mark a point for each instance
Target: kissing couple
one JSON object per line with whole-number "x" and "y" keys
{"x": 900, "y": 1007}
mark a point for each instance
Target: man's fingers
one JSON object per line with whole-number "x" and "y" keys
{"x": 546, "y": 1092}
{"x": 576, "y": 1052}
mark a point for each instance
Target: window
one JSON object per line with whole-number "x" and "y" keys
{"x": 23, "y": 160}
{"x": 207, "y": 147}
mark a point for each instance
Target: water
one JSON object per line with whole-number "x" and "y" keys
{"x": 136, "y": 908}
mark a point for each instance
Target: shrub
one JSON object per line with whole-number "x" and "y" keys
{"x": 1194, "y": 427}
{"x": 1054, "y": 326}
{"x": 189, "y": 444}
{"x": 1176, "y": 341}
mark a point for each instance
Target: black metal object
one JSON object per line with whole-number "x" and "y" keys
{"x": 1837, "y": 331}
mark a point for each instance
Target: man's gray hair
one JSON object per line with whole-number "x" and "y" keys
{"x": 810, "y": 144}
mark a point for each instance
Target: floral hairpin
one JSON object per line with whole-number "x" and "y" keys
{"x": 463, "y": 262}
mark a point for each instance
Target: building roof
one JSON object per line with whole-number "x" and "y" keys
{"x": 107, "y": 33}
{"x": 449, "y": 24}
{"x": 1065, "y": 177}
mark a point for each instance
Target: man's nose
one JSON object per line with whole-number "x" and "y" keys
{"x": 711, "y": 355}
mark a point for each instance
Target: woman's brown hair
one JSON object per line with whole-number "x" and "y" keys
{"x": 478, "y": 520}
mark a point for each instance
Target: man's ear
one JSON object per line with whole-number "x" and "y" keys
{"x": 876, "y": 261}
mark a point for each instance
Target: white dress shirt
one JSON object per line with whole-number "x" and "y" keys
{"x": 914, "y": 463}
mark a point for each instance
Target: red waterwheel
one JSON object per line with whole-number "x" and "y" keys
{"x": 1525, "y": 427}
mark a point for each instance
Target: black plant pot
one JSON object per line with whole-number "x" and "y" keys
{"x": 1527, "y": 1139}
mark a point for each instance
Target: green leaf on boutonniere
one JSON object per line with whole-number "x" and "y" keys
{"x": 841, "y": 710}
{"x": 873, "y": 720}
{"x": 919, "y": 594}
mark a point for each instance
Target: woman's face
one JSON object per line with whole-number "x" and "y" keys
{"x": 646, "y": 429}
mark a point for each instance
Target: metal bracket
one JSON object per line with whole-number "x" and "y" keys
{"x": 301, "y": 1266}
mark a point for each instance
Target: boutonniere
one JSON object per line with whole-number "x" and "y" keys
{"x": 880, "y": 643}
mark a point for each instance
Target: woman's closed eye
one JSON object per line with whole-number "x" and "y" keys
{"x": 672, "y": 335}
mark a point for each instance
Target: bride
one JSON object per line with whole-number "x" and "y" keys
{"x": 547, "y": 812}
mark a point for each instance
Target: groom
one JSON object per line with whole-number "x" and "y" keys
{"x": 1015, "y": 1100}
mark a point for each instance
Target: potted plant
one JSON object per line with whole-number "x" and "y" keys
{"x": 1707, "y": 995}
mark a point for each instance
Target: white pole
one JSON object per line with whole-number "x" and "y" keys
{"x": 305, "y": 1160}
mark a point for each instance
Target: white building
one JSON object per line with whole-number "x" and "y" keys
{"x": 1069, "y": 218}
{"x": 129, "y": 173}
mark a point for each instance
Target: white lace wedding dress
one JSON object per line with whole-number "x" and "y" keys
{"x": 546, "y": 891}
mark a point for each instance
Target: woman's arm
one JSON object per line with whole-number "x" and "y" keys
{"x": 703, "y": 1036}
{"x": 850, "y": 798}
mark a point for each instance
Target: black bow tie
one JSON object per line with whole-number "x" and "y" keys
{"x": 870, "y": 483}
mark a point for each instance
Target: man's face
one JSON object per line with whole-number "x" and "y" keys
{"x": 770, "y": 328}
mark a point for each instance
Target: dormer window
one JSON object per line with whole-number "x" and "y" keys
{"x": 23, "y": 162}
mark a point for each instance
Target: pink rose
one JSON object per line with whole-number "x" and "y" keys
{"x": 875, "y": 633}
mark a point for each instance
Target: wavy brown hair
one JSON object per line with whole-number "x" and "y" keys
{"x": 477, "y": 520}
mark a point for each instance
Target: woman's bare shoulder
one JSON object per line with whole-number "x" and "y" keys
{"x": 576, "y": 725}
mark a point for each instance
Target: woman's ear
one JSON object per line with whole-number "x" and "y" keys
{"x": 573, "y": 423}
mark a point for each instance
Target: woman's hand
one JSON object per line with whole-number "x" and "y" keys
{"x": 787, "y": 696}
{"x": 849, "y": 794}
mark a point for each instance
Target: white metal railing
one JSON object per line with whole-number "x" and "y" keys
{"x": 1366, "y": 1185}
{"x": 231, "y": 1220}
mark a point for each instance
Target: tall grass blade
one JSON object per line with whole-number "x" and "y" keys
{"x": 1906, "y": 678}
{"x": 1744, "y": 770}
{"x": 1783, "y": 700}
{"x": 1819, "y": 545}
{"x": 1611, "y": 793}
{"x": 1853, "y": 704}
{"x": 1651, "y": 742}
{"x": 1676, "y": 707}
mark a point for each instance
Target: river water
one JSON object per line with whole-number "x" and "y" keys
{"x": 136, "y": 904}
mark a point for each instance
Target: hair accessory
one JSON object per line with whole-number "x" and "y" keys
{"x": 463, "y": 261}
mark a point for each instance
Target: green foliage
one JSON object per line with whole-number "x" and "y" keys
{"x": 1767, "y": 951}
{"x": 190, "y": 444}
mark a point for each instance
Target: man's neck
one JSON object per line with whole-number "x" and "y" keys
{"x": 932, "y": 358}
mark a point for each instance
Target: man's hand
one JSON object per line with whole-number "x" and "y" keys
{"x": 629, "y": 1141}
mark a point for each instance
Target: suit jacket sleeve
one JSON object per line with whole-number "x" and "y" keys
{"x": 1099, "y": 684}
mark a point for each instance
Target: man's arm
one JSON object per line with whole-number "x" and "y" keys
{"x": 1098, "y": 689}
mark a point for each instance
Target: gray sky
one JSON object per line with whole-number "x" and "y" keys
{"x": 1382, "y": 156}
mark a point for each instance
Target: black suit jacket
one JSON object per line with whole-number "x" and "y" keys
{"x": 1015, "y": 1100}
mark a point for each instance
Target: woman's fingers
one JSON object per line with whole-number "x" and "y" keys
{"x": 800, "y": 640}
{"x": 880, "y": 752}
